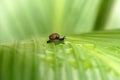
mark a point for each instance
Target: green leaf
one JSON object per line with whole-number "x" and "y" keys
{"x": 88, "y": 56}
{"x": 93, "y": 56}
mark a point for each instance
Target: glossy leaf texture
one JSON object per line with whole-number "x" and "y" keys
{"x": 89, "y": 56}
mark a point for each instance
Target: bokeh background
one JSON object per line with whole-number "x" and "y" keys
{"x": 88, "y": 56}
{"x": 22, "y": 19}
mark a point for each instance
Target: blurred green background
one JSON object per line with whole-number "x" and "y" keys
{"x": 89, "y": 56}
{"x": 21, "y": 19}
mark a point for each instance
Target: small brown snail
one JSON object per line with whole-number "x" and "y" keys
{"x": 55, "y": 37}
